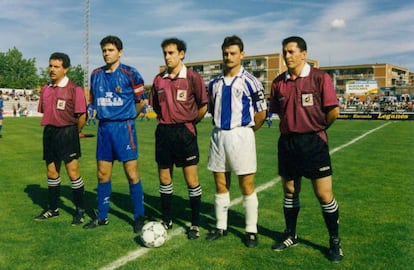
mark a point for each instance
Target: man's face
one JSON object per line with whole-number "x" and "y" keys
{"x": 56, "y": 70}
{"x": 293, "y": 56}
{"x": 232, "y": 56}
{"x": 172, "y": 56}
{"x": 111, "y": 54}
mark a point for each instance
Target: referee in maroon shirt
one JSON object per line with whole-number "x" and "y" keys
{"x": 179, "y": 98}
{"x": 305, "y": 100}
{"x": 63, "y": 105}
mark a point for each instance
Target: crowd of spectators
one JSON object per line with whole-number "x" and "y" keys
{"x": 23, "y": 105}
{"x": 384, "y": 104}
{"x": 20, "y": 105}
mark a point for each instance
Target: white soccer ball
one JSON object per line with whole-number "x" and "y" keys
{"x": 153, "y": 234}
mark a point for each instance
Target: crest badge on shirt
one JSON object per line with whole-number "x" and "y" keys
{"x": 181, "y": 95}
{"x": 307, "y": 100}
{"x": 60, "y": 105}
{"x": 238, "y": 93}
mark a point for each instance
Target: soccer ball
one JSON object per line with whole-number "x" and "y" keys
{"x": 153, "y": 234}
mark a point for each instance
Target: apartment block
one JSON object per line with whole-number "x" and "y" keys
{"x": 264, "y": 67}
{"x": 387, "y": 76}
{"x": 267, "y": 66}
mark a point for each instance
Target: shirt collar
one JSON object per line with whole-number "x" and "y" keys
{"x": 304, "y": 73}
{"x": 62, "y": 82}
{"x": 182, "y": 74}
{"x": 238, "y": 74}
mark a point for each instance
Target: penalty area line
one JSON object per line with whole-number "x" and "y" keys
{"x": 133, "y": 255}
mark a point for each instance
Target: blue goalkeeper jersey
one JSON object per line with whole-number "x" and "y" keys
{"x": 114, "y": 94}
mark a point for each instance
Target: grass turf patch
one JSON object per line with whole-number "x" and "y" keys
{"x": 373, "y": 184}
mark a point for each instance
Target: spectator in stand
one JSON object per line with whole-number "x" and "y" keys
{"x": 145, "y": 112}
{"x": 91, "y": 115}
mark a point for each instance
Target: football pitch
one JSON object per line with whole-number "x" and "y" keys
{"x": 373, "y": 163}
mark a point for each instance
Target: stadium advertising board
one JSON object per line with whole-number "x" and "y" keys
{"x": 361, "y": 87}
{"x": 376, "y": 116}
{"x": 387, "y": 91}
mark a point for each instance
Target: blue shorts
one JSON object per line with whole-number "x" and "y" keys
{"x": 117, "y": 140}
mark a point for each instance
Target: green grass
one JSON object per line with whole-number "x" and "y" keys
{"x": 373, "y": 184}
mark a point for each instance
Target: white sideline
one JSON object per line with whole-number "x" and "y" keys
{"x": 130, "y": 256}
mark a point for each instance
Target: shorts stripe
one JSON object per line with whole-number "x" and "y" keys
{"x": 131, "y": 138}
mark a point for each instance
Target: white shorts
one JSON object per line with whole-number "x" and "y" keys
{"x": 233, "y": 150}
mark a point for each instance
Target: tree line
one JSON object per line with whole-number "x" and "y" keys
{"x": 19, "y": 73}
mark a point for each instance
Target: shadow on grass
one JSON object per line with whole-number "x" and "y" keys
{"x": 120, "y": 203}
{"x": 39, "y": 196}
{"x": 279, "y": 237}
{"x": 181, "y": 211}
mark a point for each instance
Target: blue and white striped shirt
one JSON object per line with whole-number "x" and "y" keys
{"x": 234, "y": 105}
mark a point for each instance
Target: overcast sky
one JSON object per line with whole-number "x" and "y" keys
{"x": 337, "y": 32}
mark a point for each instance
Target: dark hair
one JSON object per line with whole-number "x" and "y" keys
{"x": 181, "y": 46}
{"x": 112, "y": 40}
{"x": 61, "y": 56}
{"x": 232, "y": 40}
{"x": 298, "y": 40}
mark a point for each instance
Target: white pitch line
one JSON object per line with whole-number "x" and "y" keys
{"x": 138, "y": 252}
{"x": 358, "y": 138}
{"x": 142, "y": 250}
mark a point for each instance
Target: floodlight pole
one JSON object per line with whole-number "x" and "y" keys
{"x": 86, "y": 46}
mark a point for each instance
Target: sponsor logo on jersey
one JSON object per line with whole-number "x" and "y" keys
{"x": 109, "y": 100}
